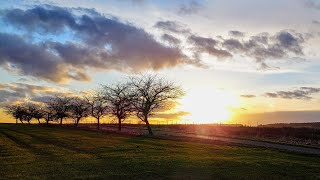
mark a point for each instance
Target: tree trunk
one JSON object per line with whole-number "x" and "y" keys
{"x": 61, "y": 121}
{"x": 28, "y": 122}
{"x": 119, "y": 124}
{"x": 77, "y": 122}
{"x": 16, "y": 120}
{"x": 48, "y": 119}
{"x": 21, "y": 121}
{"x": 98, "y": 123}
{"x": 39, "y": 121}
{"x": 148, "y": 126}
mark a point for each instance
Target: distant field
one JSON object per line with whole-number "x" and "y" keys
{"x": 39, "y": 152}
{"x": 302, "y": 136}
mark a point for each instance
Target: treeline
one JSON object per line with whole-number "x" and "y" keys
{"x": 140, "y": 96}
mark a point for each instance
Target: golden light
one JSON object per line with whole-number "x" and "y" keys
{"x": 208, "y": 106}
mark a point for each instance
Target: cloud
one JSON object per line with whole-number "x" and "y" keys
{"x": 248, "y": 96}
{"x": 234, "y": 45}
{"x": 172, "y": 26}
{"x": 99, "y": 42}
{"x": 19, "y": 92}
{"x": 170, "y": 39}
{"x": 316, "y": 22}
{"x": 207, "y": 45}
{"x": 312, "y": 4}
{"x": 36, "y": 60}
{"x": 263, "y": 46}
{"x": 236, "y": 33}
{"x": 192, "y": 7}
{"x": 301, "y": 93}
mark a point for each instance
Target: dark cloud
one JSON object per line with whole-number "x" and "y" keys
{"x": 18, "y": 55}
{"x": 314, "y": 4}
{"x": 207, "y": 45}
{"x": 170, "y": 39}
{"x": 172, "y": 26}
{"x": 248, "y": 96}
{"x": 20, "y": 92}
{"x": 192, "y": 7}
{"x": 101, "y": 42}
{"x": 236, "y": 33}
{"x": 233, "y": 45}
{"x": 316, "y": 22}
{"x": 263, "y": 47}
{"x": 301, "y": 93}
{"x": 41, "y": 19}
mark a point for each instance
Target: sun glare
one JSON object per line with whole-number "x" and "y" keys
{"x": 208, "y": 106}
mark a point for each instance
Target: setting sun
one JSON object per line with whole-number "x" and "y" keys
{"x": 208, "y": 106}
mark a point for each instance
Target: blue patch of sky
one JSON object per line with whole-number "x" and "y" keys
{"x": 7, "y": 77}
{"x": 62, "y": 37}
{"x": 36, "y": 37}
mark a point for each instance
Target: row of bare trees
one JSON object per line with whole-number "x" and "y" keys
{"x": 140, "y": 96}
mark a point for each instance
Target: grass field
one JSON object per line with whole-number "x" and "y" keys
{"x": 33, "y": 152}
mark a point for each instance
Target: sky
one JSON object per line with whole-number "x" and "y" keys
{"x": 250, "y": 61}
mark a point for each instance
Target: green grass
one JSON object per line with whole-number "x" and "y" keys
{"x": 33, "y": 152}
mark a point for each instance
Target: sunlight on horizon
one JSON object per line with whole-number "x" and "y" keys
{"x": 208, "y": 106}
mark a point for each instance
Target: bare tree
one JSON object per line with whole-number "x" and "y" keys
{"x": 49, "y": 114}
{"x": 119, "y": 101}
{"x": 98, "y": 107}
{"x": 35, "y": 111}
{"x": 60, "y": 105}
{"x": 79, "y": 108}
{"x": 151, "y": 93}
{"x": 17, "y": 111}
{"x": 26, "y": 114}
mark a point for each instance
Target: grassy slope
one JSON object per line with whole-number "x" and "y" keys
{"x": 51, "y": 152}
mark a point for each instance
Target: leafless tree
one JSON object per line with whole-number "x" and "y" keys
{"x": 49, "y": 114}
{"x": 25, "y": 113}
{"x": 79, "y": 108}
{"x": 119, "y": 101}
{"x": 60, "y": 106}
{"x": 17, "y": 111}
{"x": 35, "y": 111}
{"x": 98, "y": 107}
{"x": 151, "y": 93}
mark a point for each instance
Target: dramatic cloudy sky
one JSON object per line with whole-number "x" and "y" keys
{"x": 248, "y": 61}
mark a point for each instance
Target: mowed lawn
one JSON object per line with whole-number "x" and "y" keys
{"x": 39, "y": 152}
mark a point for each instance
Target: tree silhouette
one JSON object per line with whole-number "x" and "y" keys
{"x": 79, "y": 108}
{"x": 98, "y": 107}
{"x": 17, "y": 111}
{"x": 49, "y": 114}
{"x": 151, "y": 93}
{"x": 60, "y": 105}
{"x": 35, "y": 111}
{"x": 119, "y": 101}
